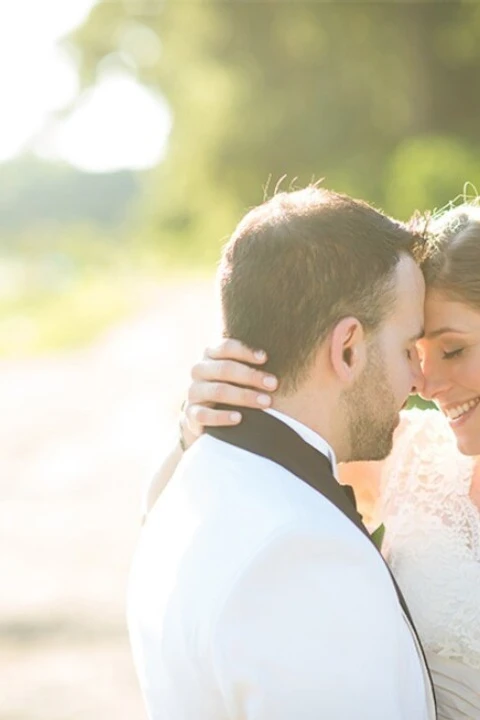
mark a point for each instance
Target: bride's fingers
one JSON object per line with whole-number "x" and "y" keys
{"x": 206, "y": 393}
{"x": 200, "y": 416}
{"x": 230, "y": 371}
{"x": 229, "y": 349}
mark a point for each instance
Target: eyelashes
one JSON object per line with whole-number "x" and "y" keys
{"x": 452, "y": 354}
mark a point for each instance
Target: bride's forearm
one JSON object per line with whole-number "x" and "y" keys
{"x": 161, "y": 478}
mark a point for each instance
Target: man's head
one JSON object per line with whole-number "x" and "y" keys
{"x": 316, "y": 279}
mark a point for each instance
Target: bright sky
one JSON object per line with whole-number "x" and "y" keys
{"x": 118, "y": 124}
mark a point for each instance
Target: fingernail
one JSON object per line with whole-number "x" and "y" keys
{"x": 270, "y": 382}
{"x": 259, "y": 355}
{"x": 235, "y": 417}
{"x": 263, "y": 400}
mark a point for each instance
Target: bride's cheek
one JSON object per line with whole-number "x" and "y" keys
{"x": 474, "y": 363}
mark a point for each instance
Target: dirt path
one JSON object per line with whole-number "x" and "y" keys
{"x": 78, "y": 435}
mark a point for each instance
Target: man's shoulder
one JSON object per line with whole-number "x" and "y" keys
{"x": 226, "y": 503}
{"x": 226, "y": 527}
{"x": 253, "y": 490}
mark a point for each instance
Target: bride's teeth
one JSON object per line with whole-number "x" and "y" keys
{"x": 455, "y": 413}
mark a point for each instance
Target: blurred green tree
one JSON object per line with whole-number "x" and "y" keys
{"x": 373, "y": 97}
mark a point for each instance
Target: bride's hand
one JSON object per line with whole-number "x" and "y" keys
{"x": 223, "y": 376}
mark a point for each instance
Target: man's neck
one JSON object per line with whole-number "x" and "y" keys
{"x": 316, "y": 414}
{"x": 308, "y": 435}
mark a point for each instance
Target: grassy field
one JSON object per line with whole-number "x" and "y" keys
{"x": 56, "y": 302}
{"x": 80, "y": 432}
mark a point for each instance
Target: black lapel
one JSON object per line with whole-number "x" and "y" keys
{"x": 265, "y": 435}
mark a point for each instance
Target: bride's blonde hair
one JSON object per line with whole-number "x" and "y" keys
{"x": 452, "y": 257}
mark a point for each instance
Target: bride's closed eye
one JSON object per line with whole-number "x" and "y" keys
{"x": 452, "y": 354}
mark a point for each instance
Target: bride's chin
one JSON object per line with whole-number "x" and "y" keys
{"x": 467, "y": 445}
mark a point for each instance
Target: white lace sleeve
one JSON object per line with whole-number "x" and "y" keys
{"x": 432, "y": 538}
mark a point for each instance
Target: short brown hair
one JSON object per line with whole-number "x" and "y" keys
{"x": 452, "y": 263}
{"x": 299, "y": 263}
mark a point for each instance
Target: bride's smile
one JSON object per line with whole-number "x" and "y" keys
{"x": 450, "y": 357}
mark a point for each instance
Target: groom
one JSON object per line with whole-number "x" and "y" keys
{"x": 256, "y": 592}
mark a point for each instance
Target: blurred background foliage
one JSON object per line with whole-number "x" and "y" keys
{"x": 379, "y": 99}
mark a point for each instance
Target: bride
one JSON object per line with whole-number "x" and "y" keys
{"x": 429, "y": 487}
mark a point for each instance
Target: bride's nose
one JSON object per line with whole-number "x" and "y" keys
{"x": 434, "y": 381}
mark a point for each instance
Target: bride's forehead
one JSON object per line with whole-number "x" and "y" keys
{"x": 438, "y": 306}
{"x": 441, "y": 311}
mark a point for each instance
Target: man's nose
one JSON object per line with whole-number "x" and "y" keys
{"x": 418, "y": 380}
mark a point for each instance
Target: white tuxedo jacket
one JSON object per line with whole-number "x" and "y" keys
{"x": 252, "y": 597}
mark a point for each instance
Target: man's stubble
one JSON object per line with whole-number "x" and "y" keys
{"x": 371, "y": 411}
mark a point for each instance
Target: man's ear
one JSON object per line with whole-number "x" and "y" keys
{"x": 348, "y": 351}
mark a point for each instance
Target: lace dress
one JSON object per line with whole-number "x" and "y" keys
{"x": 432, "y": 542}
